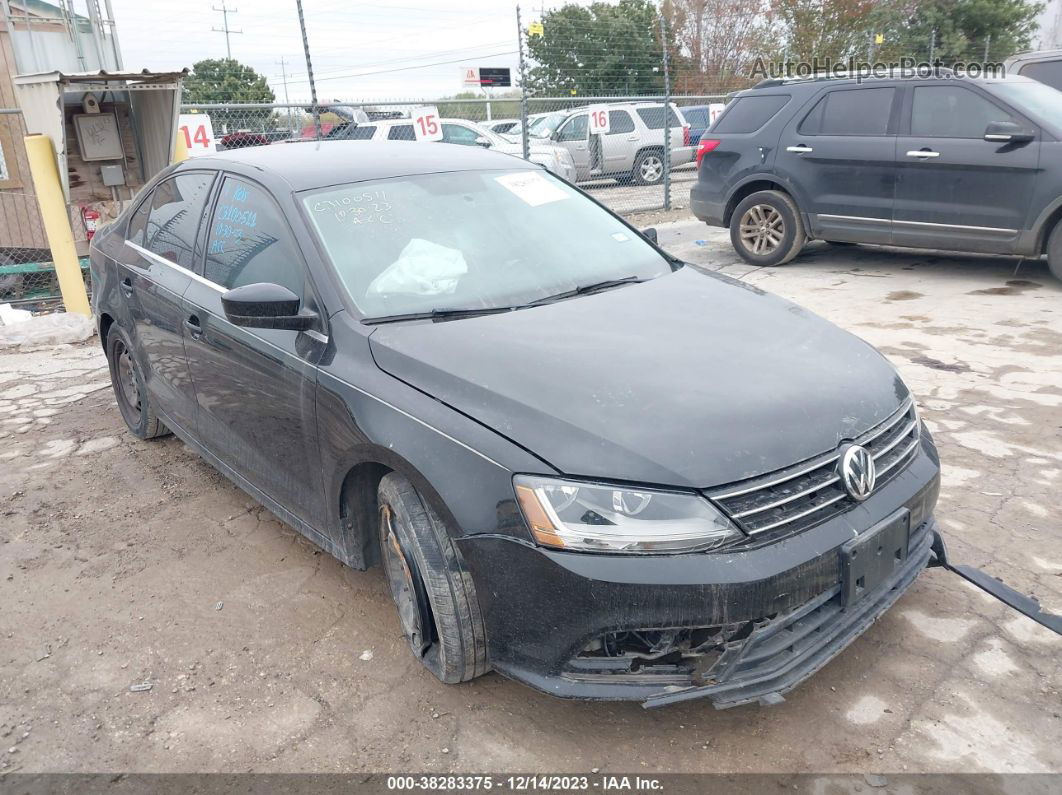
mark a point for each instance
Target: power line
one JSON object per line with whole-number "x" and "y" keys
{"x": 225, "y": 11}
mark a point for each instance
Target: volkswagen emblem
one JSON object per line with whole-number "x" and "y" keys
{"x": 857, "y": 472}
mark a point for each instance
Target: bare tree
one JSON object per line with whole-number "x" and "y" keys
{"x": 719, "y": 41}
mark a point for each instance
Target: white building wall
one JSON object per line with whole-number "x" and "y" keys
{"x": 1050, "y": 35}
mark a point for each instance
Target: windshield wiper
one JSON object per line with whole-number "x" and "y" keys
{"x": 439, "y": 314}
{"x": 587, "y": 288}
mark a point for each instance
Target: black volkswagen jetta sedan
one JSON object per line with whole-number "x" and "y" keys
{"x": 581, "y": 463}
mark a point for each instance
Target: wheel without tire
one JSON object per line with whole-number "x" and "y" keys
{"x": 649, "y": 167}
{"x": 129, "y": 388}
{"x": 766, "y": 228}
{"x": 435, "y": 596}
{"x": 1054, "y": 251}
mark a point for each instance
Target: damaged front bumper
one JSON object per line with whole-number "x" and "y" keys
{"x": 737, "y": 628}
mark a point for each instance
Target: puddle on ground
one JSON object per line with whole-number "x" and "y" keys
{"x": 936, "y": 364}
{"x": 1013, "y": 287}
{"x": 902, "y": 295}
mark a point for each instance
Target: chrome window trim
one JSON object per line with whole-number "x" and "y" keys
{"x": 151, "y": 255}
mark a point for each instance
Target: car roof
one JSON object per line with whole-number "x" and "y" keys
{"x": 315, "y": 164}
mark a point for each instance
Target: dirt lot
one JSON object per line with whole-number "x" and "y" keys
{"x": 123, "y": 562}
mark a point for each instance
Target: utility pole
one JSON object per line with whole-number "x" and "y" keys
{"x": 284, "y": 77}
{"x": 225, "y": 11}
{"x": 667, "y": 115}
{"x": 309, "y": 74}
{"x": 524, "y": 138}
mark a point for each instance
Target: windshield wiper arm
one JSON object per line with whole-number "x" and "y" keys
{"x": 588, "y": 288}
{"x": 438, "y": 314}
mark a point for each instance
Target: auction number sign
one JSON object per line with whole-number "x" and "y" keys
{"x": 426, "y": 124}
{"x": 598, "y": 119}
{"x": 198, "y": 134}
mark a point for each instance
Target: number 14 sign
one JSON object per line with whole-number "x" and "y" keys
{"x": 426, "y": 124}
{"x": 198, "y": 133}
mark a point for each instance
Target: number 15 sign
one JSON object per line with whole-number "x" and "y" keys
{"x": 426, "y": 124}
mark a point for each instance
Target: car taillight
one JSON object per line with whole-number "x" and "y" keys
{"x": 685, "y": 135}
{"x": 704, "y": 147}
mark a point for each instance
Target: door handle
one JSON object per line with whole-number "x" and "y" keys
{"x": 923, "y": 153}
{"x": 127, "y": 287}
{"x": 800, "y": 149}
{"x": 195, "y": 329}
{"x": 633, "y": 138}
{"x": 580, "y": 147}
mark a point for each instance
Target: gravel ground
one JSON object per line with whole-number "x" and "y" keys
{"x": 124, "y": 563}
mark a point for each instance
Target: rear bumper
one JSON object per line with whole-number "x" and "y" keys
{"x": 776, "y": 610}
{"x": 706, "y": 206}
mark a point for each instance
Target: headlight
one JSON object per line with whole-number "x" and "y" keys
{"x": 595, "y": 517}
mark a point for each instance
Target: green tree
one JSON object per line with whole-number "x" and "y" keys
{"x": 226, "y": 80}
{"x": 502, "y": 106}
{"x": 834, "y": 29}
{"x": 962, "y": 30}
{"x": 599, "y": 49}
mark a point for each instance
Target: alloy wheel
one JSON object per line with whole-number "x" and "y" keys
{"x": 762, "y": 229}
{"x": 652, "y": 168}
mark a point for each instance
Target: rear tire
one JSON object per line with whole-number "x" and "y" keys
{"x": 434, "y": 593}
{"x": 649, "y": 167}
{"x": 766, "y": 228}
{"x": 1054, "y": 251}
{"x": 129, "y": 389}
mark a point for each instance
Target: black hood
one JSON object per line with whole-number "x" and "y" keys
{"x": 688, "y": 380}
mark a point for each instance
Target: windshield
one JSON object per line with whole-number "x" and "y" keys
{"x": 1037, "y": 99}
{"x": 471, "y": 239}
{"x": 545, "y": 126}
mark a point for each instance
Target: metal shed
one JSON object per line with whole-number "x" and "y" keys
{"x": 146, "y": 106}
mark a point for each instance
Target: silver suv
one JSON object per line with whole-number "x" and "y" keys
{"x": 632, "y": 149}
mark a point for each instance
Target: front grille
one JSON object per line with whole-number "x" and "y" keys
{"x": 805, "y": 494}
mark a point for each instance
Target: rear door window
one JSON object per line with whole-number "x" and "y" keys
{"x": 952, "y": 112}
{"x": 176, "y": 208}
{"x": 401, "y": 132}
{"x": 748, "y": 114}
{"x": 860, "y": 111}
{"x": 620, "y": 121}
{"x": 1048, "y": 72}
{"x": 249, "y": 240}
{"x": 459, "y": 134}
{"x": 653, "y": 117}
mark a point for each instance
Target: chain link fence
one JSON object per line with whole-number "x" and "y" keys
{"x": 622, "y": 166}
{"x": 27, "y": 274}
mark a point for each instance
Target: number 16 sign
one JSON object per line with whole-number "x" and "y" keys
{"x": 598, "y": 119}
{"x": 426, "y": 124}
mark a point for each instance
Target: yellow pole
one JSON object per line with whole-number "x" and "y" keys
{"x": 180, "y": 149}
{"x": 45, "y": 174}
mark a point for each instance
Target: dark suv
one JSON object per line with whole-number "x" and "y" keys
{"x": 927, "y": 162}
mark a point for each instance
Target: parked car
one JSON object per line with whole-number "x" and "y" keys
{"x": 448, "y": 361}
{"x": 936, "y": 162}
{"x": 501, "y": 126}
{"x": 1044, "y": 66}
{"x": 699, "y": 117}
{"x": 539, "y": 125}
{"x": 466, "y": 133}
{"x": 633, "y": 148}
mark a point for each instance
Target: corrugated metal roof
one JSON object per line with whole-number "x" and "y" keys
{"x": 101, "y": 75}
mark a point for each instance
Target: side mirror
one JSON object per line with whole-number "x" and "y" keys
{"x": 484, "y": 142}
{"x": 650, "y": 235}
{"x": 266, "y": 306}
{"x": 1007, "y": 132}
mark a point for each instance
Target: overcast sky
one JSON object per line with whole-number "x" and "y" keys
{"x": 374, "y": 50}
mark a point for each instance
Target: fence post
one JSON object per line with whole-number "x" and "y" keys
{"x": 667, "y": 116}
{"x": 524, "y": 139}
{"x": 45, "y": 173}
